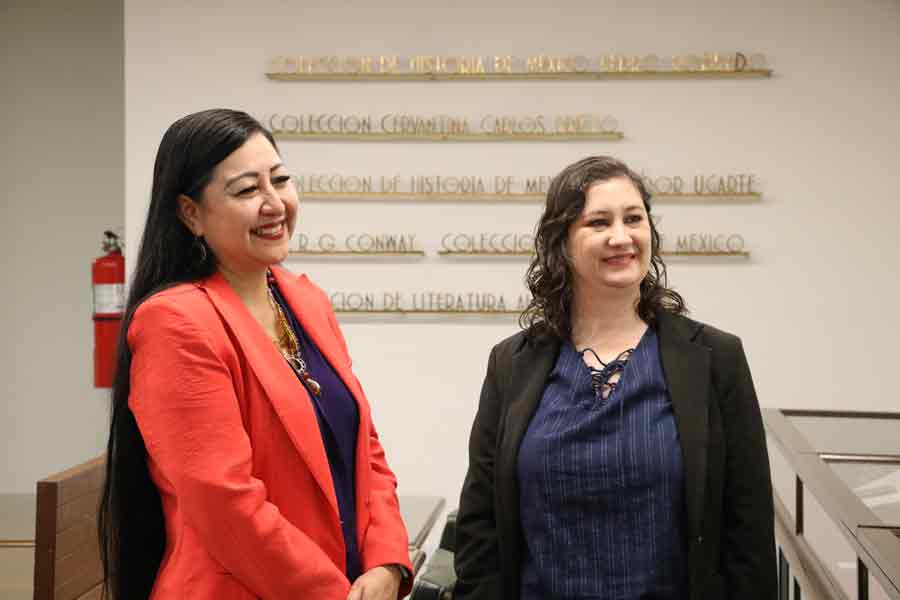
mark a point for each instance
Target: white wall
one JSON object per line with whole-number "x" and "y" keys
{"x": 815, "y": 304}
{"x": 63, "y": 181}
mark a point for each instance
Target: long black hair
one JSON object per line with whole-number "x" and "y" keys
{"x": 130, "y": 519}
{"x": 549, "y": 276}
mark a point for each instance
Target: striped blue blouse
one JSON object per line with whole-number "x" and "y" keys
{"x": 601, "y": 486}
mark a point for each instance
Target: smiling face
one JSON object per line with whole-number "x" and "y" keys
{"x": 248, "y": 209}
{"x": 609, "y": 243}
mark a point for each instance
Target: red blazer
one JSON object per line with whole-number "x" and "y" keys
{"x": 235, "y": 449}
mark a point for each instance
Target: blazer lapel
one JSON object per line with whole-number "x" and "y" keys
{"x": 313, "y": 318}
{"x": 287, "y": 396}
{"x": 687, "y": 370}
{"x": 531, "y": 365}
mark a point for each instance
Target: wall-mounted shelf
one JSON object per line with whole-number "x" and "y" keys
{"x": 740, "y": 254}
{"x": 432, "y": 313}
{"x": 513, "y": 197}
{"x": 356, "y": 253}
{"x": 686, "y": 198}
{"x": 607, "y": 136}
{"x": 420, "y": 197}
{"x": 524, "y": 76}
{"x": 469, "y": 254}
{"x": 453, "y": 253}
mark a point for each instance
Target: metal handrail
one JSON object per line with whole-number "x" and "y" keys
{"x": 876, "y": 547}
{"x": 814, "y": 576}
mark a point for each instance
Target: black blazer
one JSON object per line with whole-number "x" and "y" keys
{"x": 728, "y": 490}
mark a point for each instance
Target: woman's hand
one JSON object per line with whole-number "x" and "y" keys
{"x": 379, "y": 583}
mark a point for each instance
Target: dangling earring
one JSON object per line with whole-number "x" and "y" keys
{"x": 199, "y": 243}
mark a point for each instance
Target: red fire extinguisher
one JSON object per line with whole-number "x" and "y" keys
{"x": 108, "y": 279}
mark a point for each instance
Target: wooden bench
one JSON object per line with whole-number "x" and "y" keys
{"x": 66, "y": 553}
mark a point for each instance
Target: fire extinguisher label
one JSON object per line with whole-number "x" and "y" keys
{"x": 109, "y": 298}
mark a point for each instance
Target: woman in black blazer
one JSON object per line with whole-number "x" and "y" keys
{"x": 618, "y": 450}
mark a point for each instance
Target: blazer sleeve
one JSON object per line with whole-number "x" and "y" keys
{"x": 386, "y": 540}
{"x": 183, "y": 398}
{"x": 477, "y": 557}
{"x": 748, "y": 537}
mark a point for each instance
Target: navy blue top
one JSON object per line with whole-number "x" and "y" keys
{"x": 601, "y": 486}
{"x": 338, "y": 417}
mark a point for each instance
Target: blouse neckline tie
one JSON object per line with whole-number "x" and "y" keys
{"x": 600, "y": 378}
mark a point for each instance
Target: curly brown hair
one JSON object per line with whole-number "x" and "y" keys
{"x": 549, "y": 276}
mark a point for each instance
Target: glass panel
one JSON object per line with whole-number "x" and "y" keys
{"x": 884, "y": 544}
{"x": 419, "y": 514}
{"x": 876, "y": 592}
{"x": 827, "y": 541}
{"x": 783, "y": 476}
{"x": 850, "y": 435}
{"x": 876, "y": 484}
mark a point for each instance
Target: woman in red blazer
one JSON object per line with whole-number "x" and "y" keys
{"x": 242, "y": 459}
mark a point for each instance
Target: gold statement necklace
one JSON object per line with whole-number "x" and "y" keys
{"x": 290, "y": 348}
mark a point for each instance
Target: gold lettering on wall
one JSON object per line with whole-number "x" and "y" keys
{"x": 711, "y": 188}
{"x": 416, "y": 127}
{"x": 428, "y": 302}
{"x": 539, "y": 66}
